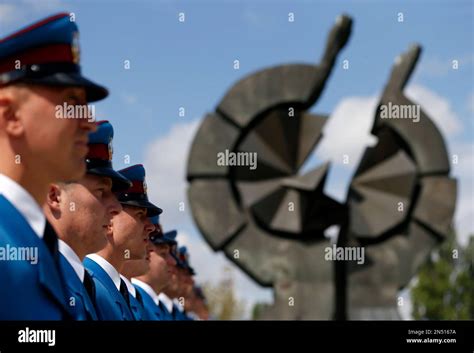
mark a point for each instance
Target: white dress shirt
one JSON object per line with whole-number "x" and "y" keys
{"x": 131, "y": 289}
{"x": 148, "y": 290}
{"x": 193, "y": 316}
{"x": 178, "y": 305}
{"x": 72, "y": 258}
{"x": 24, "y": 203}
{"x": 168, "y": 303}
{"x": 108, "y": 268}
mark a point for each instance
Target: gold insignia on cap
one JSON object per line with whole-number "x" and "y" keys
{"x": 76, "y": 52}
{"x": 144, "y": 187}
{"x": 111, "y": 149}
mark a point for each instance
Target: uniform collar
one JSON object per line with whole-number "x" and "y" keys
{"x": 193, "y": 315}
{"x": 24, "y": 203}
{"x": 108, "y": 268}
{"x": 130, "y": 287}
{"x": 168, "y": 303}
{"x": 72, "y": 258}
{"x": 178, "y": 305}
{"x": 147, "y": 288}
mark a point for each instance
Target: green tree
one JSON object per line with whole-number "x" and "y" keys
{"x": 445, "y": 286}
{"x": 257, "y": 310}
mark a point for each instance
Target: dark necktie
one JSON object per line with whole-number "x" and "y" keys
{"x": 163, "y": 311}
{"x": 90, "y": 289}
{"x": 124, "y": 292}
{"x": 174, "y": 312}
{"x": 139, "y": 297}
{"x": 141, "y": 306}
{"x": 89, "y": 284}
{"x": 51, "y": 240}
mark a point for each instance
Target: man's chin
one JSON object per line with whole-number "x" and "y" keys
{"x": 102, "y": 243}
{"x": 141, "y": 259}
{"x": 75, "y": 172}
{"x": 145, "y": 269}
{"x": 144, "y": 266}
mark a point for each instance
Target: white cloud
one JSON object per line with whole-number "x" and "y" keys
{"x": 437, "y": 107}
{"x": 464, "y": 165}
{"x": 347, "y": 131}
{"x": 165, "y": 163}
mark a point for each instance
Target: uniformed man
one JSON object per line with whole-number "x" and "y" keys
{"x": 162, "y": 266}
{"x": 186, "y": 284}
{"x": 137, "y": 267}
{"x": 39, "y": 72}
{"x": 196, "y": 305}
{"x": 81, "y": 213}
{"x": 127, "y": 241}
{"x": 135, "y": 300}
{"x": 172, "y": 295}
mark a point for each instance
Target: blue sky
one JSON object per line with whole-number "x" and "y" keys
{"x": 190, "y": 65}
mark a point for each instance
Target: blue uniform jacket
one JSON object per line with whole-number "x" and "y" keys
{"x": 165, "y": 314}
{"x": 138, "y": 310}
{"x": 180, "y": 315}
{"x": 27, "y": 291}
{"x": 109, "y": 302}
{"x": 79, "y": 300}
{"x": 152, "y": 311}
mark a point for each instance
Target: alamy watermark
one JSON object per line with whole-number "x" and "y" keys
{"x": 76, "y": 111}
{"x": 346, "y": 253}
{"x": 237, "y": 159}
{"x": 21, "y": 253}
{"x": 400, "y": 111}
{"x": 28, "y": 335}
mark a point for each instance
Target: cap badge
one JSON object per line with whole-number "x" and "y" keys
{"x": 111, "y": 149}
{"x": 76, "y": 52}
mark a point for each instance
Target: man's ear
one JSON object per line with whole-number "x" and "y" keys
{"x": 9, "y": 117}
{"x": 53, "y": 200}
